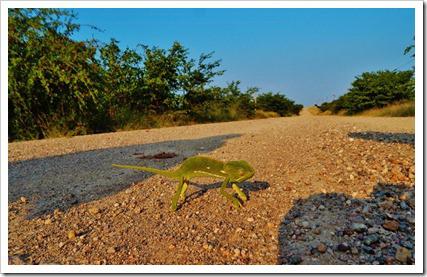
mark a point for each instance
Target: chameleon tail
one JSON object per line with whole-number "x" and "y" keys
{"x": 170, "y": 174}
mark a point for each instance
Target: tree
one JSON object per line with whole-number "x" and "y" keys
{"x": 277, "y": 103}
{"x": 377, "y": 89}
{"x": 52, "y": 79}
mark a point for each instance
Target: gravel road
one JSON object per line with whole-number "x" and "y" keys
{"x": 327, "y": 190}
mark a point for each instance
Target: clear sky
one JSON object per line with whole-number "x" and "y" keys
{"x": 310, "y": 55}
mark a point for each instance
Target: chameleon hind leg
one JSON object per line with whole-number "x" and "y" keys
{"x": 177, "y": 194}
{"x": 236, "y": 203}
{"x": 239, "y": 192}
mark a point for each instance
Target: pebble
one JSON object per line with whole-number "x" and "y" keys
{"x": 250, "y": 219}
{"x": 48, "y": 221}
{"x": 322, "y": 247}
{"x": 93, "y": 210}
{"x": 295, "y": 259}
{"x": 236, "y": 252}
{"x": 23, "y": 199}
{"x": 71, "y": 235}
{"x": 371, "y": 239}
{"x": 391, "y": 225}
{"x": 359, "y": 227}
{"x": 305, "y": 224}
{"x": 111, "y": 250}
{"x": 402, "y": 254}
{"x": 343, "y": 247}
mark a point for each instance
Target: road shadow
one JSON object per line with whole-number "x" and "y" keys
{"x": 405, "y": 138}
{"x": 60, "y": 182}
{"x": 334, "y": 228}
{"x": 246, "y": 187}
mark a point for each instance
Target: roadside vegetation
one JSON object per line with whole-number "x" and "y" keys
{"x": 60, "y": 86}
{"x": 381, "y": 93}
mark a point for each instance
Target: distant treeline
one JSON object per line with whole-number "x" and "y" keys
{"x": 61, "y": 86}
{"x": 374, "y": 90}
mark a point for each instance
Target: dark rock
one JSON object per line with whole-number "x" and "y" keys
{"x": 343, "y": 247}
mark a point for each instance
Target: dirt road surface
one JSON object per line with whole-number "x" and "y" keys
{"x": 327, "y": 190}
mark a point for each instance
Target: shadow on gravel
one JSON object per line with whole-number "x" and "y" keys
{"x": 247, "y": 188}
{"x": 332, "y": 228}
{"x": 406, "y": 138}
{"x": 63, "y": 181}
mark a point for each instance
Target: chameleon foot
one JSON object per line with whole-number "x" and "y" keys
{"x": 239, "y": 192}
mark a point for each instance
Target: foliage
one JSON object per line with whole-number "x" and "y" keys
{"x": 277, "y": 103}
{"x": 374, "y": 90}
{"x": 60, "y": 86}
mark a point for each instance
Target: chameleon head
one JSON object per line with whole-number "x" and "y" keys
{"x": 239, "y": 171}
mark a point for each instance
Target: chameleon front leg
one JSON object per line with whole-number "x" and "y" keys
{"x": 236, "y": 203}
{"x": 175, "y": 198}
{"x": 239, "y": 192}
{"x": 183, "y": 190}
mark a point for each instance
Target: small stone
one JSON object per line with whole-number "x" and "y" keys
{"x": 321, "y": 207}
{"x": 403, "y": 254}
{"x": 61, "y": 244}
{"x": 206, "y": 246}
{"x": 171, "y": 247}
{"x": 111, "y": 250}
{"x": 343, "y": 247}
{"x": 238, "y": 230}
{"x": 354, "y": 251}
{"x": 48, "y": 221}
{"x": 391, "y": 225}
{"x": 348, "y": 202}
{"x": 137, "y": 210}
{"x": 295, "y": 259}
{"x": 317, "y": 231}
{"x": 93, "y": 210}
{"x": 403, "y": 205}
{"x": 371, "y": 239}
{"x": 407, "y": 244}
{"x": 71, "y": 235}
{"x": 359, "y": 227}
{"x": 322, "y": 248}
{"x": 116, "y": 205}
{"x": 404, "y": 196}
{"x": 389, "y": 260}
{"x": 305, "y": 224}
{"x": 23, "y": 199}
{"x": 236, "y": 252}
{"x": 250, "y": 219}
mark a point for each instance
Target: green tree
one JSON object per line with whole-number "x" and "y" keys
{"x": 377, "y": 89}
{"x": 277, "y": 103}
{"x": 52, "y": 79}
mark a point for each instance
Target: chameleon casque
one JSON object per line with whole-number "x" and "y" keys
{"x": 232, "y": 172}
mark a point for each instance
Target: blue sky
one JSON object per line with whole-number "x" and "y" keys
{"x": 310, "y": 55}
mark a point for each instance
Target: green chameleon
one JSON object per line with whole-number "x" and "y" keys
{"x": 232, "y": 172}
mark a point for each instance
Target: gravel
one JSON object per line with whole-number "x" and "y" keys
{"x": 67, "y": 205}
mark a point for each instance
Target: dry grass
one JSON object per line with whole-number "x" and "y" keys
{"x": 400, "y": 109}
{"x": 263, "y": 114}
{"x": 314, "y": 110}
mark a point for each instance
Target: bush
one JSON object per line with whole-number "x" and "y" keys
{"x": 277, "y": 103}
{"x": 374, "y": 90}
